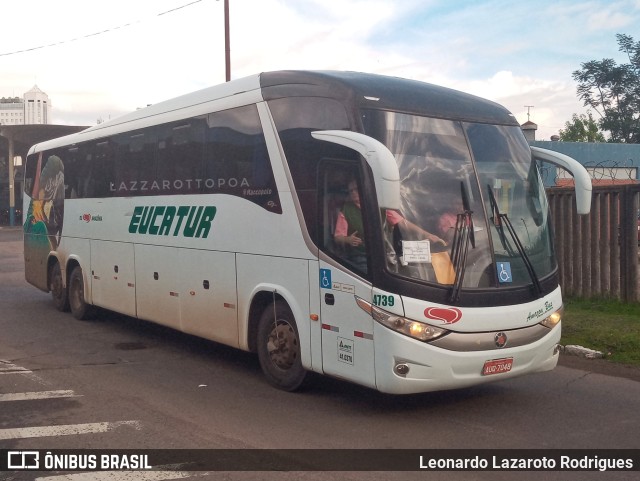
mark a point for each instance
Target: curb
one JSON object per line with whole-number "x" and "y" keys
{"x": 580, "y": 351}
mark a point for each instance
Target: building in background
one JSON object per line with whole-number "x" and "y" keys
{"x": 33, "y": 109}
{"x": 529, "y": 129}
{"x": 11, "y": 111}
{"x": 37, "y": 108}
{"x": 23, "y": 122}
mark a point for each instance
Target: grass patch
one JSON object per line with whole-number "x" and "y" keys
{"x": 605, "y": 325}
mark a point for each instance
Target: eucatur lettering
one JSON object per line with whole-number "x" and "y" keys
{"x": 187, "y": 221}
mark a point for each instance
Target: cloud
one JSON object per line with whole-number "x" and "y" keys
{"x": 308, "y": 35}
{"x": 612, "y": 17}
{"x": 552, "y": 102}
{"x": 516, "y": 54}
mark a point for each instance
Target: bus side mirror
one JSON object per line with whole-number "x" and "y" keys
{"x": 580, "y": 175}
{"x": 380, "y": 159}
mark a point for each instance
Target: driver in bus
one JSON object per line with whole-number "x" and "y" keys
{"x": 349, "y": 228}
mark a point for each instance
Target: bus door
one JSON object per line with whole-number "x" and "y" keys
{"x": 344, "y": 273}
{"x": 346, "y": 329}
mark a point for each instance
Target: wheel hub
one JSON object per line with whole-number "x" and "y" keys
{"x": 282, "y": 345}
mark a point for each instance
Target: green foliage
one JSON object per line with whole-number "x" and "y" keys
{"x": 605, "y": 325}
{"x": 613, "y": 91}
{"x": 582, "y": 128}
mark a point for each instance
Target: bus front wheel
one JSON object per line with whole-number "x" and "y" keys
{"x": 79, "y": 308}
{"x": 279, "y": 348}
{"x": 58, "y": 289}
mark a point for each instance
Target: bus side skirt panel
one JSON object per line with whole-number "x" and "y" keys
{"x": 286, "y": 278}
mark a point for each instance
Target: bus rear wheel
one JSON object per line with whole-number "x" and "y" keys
{"x": 58, "y": 289}
{"x": 279, "y": 348}
{"x": 79, "y": 308}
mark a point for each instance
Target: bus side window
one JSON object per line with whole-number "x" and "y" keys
{"x": 333, "y": 201}
{"x": 236, "y": 158}
{"x": 296, "y": 118}
{"x": 135, "y": 168}
{"x": 103, "y": 180}
{"x": 71, "y": 166}
{"x": 180, "y": 156}
{"x": 30, "y": 174}
{"x": 85, "y": 183}
{"x": 340, "y": 214}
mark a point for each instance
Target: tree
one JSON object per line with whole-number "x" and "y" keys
{"x": 613, "y": 91}
{"x": 582, "y": 128}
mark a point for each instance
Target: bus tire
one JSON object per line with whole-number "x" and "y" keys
{"x": 279, "y": 348}
{"x": 58, "y": 289}
{"x": 79, "y": 308}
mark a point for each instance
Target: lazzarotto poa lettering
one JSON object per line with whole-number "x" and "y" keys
{"x": 186, "y": 221}
{"x": 187, "y": 185}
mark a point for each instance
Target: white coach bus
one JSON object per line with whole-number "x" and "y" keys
{"x": 384, "y": 231}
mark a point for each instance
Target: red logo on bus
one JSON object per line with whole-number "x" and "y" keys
{"x": 86, "y": 217}
{"x": 500, "y": 339}
{"x": 448, "y": 315}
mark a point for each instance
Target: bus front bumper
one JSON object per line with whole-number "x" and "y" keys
{"x": 404, "y": 365}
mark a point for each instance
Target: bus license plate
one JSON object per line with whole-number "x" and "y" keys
{"x": 497, "y": 366}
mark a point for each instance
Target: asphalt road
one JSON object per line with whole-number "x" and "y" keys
{"x": 120, "y": 383}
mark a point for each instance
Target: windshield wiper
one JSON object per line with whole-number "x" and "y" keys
{"x": 498, "y": 220}
{"x": 462, "y": 237}
{"x": 459, "y": 251}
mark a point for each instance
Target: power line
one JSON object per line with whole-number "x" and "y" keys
{"x": 96, "y": 33}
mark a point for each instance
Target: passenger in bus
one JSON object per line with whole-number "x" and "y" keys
{"x": 349, "y": 228}
{"x": 449, "y": 217}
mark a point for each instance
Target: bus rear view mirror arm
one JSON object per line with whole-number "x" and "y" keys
{"x": 576, "y": 169}
{"x": 380, "y": 159}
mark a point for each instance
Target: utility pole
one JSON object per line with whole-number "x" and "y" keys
{"x": 227, "y": 43}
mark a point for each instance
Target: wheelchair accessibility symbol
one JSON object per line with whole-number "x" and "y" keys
{"x": 325, "y": 278}
{"x": 504, "y": 272}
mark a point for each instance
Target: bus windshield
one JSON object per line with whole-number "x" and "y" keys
{"x": 475, "y": 187}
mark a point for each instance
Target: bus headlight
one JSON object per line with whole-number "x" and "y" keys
{"x": 552, "y": 320}
{"x": 415, "y": 329}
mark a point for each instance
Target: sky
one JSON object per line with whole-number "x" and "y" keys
{"x": 97, "y": 60}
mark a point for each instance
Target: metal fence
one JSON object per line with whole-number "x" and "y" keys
{"x": 598, "y": 253}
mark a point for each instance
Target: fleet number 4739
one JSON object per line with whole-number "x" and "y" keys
{"x": 383, "y": 300}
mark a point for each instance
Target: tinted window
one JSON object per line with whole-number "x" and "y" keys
{"x": 296, "y": 118}
{"x": 102, "y": 179}
{"x": 219, "y": 153}
{"x": 135, "y": 163}
{"x": 30, "y": 170}
{"x": 236, "y": 160}
{"x": 184, "y": 141}
{"x": 77, "y": 171}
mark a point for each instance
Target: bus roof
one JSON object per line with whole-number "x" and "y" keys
{"x": 165, "y": 111}
{"x": 365, "y": 90}
{"x": 389, "y": 93}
